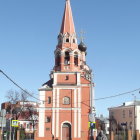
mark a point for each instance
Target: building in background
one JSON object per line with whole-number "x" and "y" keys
{"x": 66, "y": 97}
{"x": 25, "y": 112}
{"x": 126, "y": 116}
{"x": 102, "y": 123}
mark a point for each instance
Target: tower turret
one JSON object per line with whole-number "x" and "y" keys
{"x": 67, "y": 54}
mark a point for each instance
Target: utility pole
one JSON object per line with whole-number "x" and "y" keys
{"x": 92, "y": 108}
{"x": 3, "y": 121}
{"x": 10, "y": 135}
{"x": 10, "y": 127}
{"x": 134, "y": 118}
{"x": 1, "y": 126}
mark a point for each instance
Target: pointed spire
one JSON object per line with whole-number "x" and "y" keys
{"x": 67, "y": 23}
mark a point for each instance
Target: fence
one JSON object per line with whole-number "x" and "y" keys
{"x": 125, "y": 135}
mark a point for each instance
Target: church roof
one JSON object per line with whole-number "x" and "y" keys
{"x": 67, "y": 22}
{"x": 48, "y": 84}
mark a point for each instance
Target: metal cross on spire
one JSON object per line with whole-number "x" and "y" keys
{"x": 82, "y": 36}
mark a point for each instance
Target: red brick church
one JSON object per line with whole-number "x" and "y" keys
{"x": 65, "y": 106}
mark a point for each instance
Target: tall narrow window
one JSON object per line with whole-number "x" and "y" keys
{"x": 49, "y": 100}
{"x": 67, "y": 77}
{"x": 130, "y": 125}
{"x": 27, "y": 126}
{"x": 67, "y": 58}
{"x": 130, "y": 113}
{"x": 76, "y": 59}
{"x": 111, "y": 114}
{"x": 48, "y": 119}
{"x": 67, "y": 40}
{"x": 57, "y": 59}
{"x": 123, "y": 113}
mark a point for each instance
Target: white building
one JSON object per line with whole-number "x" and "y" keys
{"x": 126, "y": 115}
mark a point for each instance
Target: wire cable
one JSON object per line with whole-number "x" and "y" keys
{"x": 113, "y": 96}
{"x": 103, "y": 98}
{"x": 18, "y": 85}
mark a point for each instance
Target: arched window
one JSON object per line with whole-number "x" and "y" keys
{"x": 67, "y": 58}
{"x": 57, "y": 59}
{"x": 76, "y": 59}
{"x": 73, "y": 40}
{"x": 66, "y": 100}
{"x": 67, "y": 40}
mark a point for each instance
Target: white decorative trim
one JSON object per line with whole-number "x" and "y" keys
{"x": 67, "y": 49}
{"x": 85, "y": 85}
{"x": 57, "y": 98}
{"x": 62, "y": 73}
{"x": 57, "y": 113}
{"x": 79, "y": 113}
{"x": 53, "y": 97}
{"x": 78, "y": 79}
{"x": 76, "y": 50}
{"x": 79, "y": 123}
{"x": 75, "y": 123}
{"x": 42, "y": 115}
{"x": 75, "y": 97}
{"x": 75, "y": 113}
{"x": 57, "y": 123}
{"x": 79, "y": 97}
{"x": 53, "y": 122}
{"x": 53, "y": 114}
{"x": 66, "y": 87}
{"x": 55, "y": 78}
{"x": 55, "y": 108}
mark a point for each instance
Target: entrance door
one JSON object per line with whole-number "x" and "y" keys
{"x": 66, "y": 131}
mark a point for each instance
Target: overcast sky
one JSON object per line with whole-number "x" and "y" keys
{"x": 28, "y": 38}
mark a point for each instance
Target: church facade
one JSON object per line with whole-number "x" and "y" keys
{"x": 66, "y": 97}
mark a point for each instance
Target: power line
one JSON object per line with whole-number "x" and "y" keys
{"x": 18, "y": 85}
{"x": 103, "y": 98}
{"x": 113, "y": 96}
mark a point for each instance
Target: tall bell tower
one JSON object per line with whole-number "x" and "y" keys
{"x": 66, "y": 53}
{"x": 66, "y": 97}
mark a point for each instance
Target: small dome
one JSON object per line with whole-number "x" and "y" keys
{"x": 82, "y": 47}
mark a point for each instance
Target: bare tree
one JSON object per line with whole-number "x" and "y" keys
{"x": 24, "y": 96}
{"x": 13, "y": 96}
{"x": 20, "y": 107}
